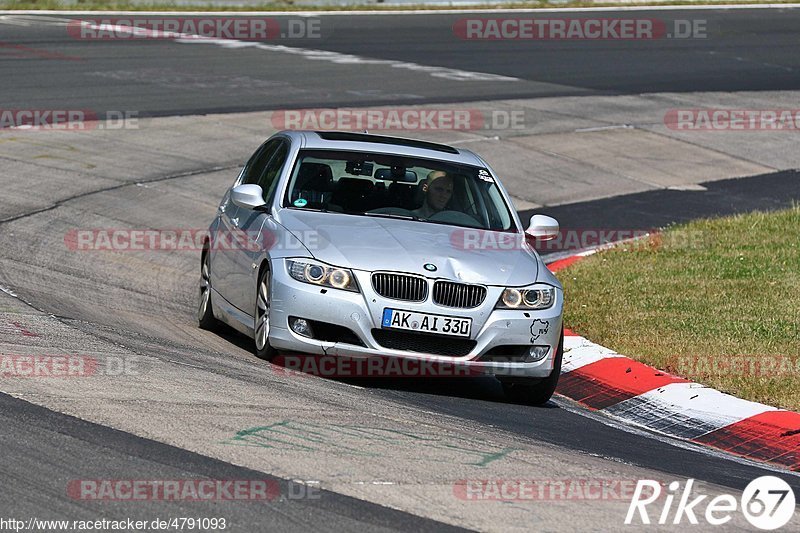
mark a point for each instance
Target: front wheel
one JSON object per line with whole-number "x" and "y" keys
{"x": 205, "y": 314}
{"x": 261, "y": 326}
{"x": 535, "y": 391}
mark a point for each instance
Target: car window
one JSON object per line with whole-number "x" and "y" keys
{"x": 388, "y": 185}
{"x": 269, "y": 177}
{"x": 255, "y": 167}
{"x": 497, "y": 217}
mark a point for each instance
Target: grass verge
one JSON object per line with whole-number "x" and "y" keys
{"x": 715, "y": 300}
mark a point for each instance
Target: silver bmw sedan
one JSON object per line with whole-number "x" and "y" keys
{"x": 357, "y": 246}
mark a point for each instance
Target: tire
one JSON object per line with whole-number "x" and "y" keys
{"x": 535, "y": 391}
{"x": 261, "y": 346}
{"x": 205, "y": 314}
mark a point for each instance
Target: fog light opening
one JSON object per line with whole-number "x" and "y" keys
{"x": 301, "y": 327}
{"x": 536, "y": 353}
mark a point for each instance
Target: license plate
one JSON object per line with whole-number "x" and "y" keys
{"x": 426, "y": 323}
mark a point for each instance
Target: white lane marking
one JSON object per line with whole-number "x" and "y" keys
{"x": 349, "y": 59}
{"x": 686, "y": 410}
{"x": 13, "y": 21}
{"x": 358, "y": 387}
{"x": 572, "y": 341}
{"x": 579, "y": 352}
{"x": 605, "y": 128}
{"x": 443, "y": 11}
{"x": 621, "y": 425}
{"x": 183, "y": 364}
{"x": 687, "y": 187}
{"x": 312, "y": 54}
{"x": 8, "y": 291}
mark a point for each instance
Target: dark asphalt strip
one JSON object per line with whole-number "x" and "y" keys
{"x": 663, "y": 207}
{"x": 49, "y": 449}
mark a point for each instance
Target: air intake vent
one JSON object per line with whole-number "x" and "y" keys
{"x": 400, "y": 287}
{"x": 458, "y": 295}
{"x": 425, "y": 344}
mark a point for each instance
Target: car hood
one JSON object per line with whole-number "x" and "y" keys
{"x": 374, "y": 243}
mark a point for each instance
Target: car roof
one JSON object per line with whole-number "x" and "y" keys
{"x": 366, "y": 142}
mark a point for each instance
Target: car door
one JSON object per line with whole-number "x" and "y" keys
{"x": 219, "y": 259}
{"x": 226, "y": 260}
{"x": 251, "y": 222}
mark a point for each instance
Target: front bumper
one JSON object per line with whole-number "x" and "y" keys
{"x": 362, "y": 312}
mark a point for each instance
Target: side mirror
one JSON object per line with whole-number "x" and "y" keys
{"x": 543, "y": 228}
{"x": 250, "y": 196}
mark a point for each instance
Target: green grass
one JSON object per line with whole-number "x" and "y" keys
{"x": 290, "y": 5}
{"x": 699, "y": 300}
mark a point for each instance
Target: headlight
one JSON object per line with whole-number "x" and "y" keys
{"x": 537, "y": 298}
{"x": 322, "y": 274}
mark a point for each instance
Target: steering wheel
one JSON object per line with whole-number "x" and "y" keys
{"x": 455, "y": 217}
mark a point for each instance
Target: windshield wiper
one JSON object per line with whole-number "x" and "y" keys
{"x": 315, "y": 209}
{"x": 389, "y": 215}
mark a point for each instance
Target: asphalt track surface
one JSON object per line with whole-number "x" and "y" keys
{"x": 48, "y": 448}
{"x": 744, "y": 50}
{"x": 40, "y": 471}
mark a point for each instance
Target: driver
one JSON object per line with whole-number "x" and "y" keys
{"x": 438, "y": 189}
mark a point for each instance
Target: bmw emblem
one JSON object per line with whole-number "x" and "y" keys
{"x": 430, "y": 267}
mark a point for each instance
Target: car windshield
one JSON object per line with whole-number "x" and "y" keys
{"x": 381, "y": 185}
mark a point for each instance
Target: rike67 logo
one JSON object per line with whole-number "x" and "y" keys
{"x": 767, "y": 502}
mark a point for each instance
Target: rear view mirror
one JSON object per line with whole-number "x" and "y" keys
{"x": 396, "y": 174}
{"x": 543, "y": 228}
{"x": 359, "y": 168}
